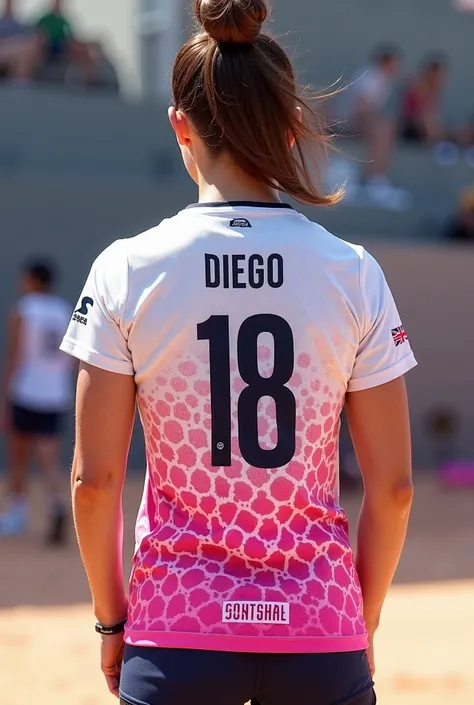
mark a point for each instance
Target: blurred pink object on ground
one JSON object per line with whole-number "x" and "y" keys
{"x": 458, "y": 474}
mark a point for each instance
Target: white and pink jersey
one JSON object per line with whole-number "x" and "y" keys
{"x": 244, "y": 326}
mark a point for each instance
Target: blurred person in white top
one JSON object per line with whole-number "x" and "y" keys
{"x": 369, "y": 109}
{"x": 37, "y": 396}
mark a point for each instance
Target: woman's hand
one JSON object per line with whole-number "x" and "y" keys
{"x": 111, "y": 661}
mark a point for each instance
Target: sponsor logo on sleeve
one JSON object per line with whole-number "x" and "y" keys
{"x": 81, "y": 313}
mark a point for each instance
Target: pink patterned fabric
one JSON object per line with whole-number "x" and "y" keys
{"x": 210, "y": 535}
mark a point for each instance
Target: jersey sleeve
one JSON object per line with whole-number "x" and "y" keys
{"x": 384, "y": 352}
{"x": 97, "y": 332}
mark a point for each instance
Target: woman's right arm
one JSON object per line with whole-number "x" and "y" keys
{"x": 380, "y": 430}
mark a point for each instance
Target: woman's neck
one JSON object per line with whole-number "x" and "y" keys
{"x": 224, "y": 182}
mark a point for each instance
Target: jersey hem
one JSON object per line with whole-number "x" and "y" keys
{"x": 388, "y": 375}
{"x": 95, "y": 359}
{"x": 249, "y": 644}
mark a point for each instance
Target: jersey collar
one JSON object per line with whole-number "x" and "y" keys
{"x": 241, "y": 204}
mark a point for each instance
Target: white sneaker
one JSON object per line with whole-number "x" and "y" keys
{"x": 15, "y": 520}
{"x": 382, "y": 194}
{"x": 446, "y": 153}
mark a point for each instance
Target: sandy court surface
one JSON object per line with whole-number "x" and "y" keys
{"x": 49, "y": 653}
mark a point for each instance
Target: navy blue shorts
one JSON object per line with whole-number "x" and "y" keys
{"x": 35, "y": 423}
{"x": 152, "y": 676}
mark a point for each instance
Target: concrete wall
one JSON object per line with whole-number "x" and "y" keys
{"x": 434, "y": 289}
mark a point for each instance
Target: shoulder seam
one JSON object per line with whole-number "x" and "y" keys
{"x": 364, "y": 310}
{"x": 124, "y": 302}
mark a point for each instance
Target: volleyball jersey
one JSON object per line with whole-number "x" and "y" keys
{"x": 244, "y": 326}
{"x": 42, "y": 380}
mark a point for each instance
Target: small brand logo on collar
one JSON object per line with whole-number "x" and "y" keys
{"x": 240, "y": 223}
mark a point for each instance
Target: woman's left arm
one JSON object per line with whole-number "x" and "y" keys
{"x": 105, "y": 412}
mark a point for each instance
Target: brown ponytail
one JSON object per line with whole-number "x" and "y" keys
{"x": 238, "y": 88}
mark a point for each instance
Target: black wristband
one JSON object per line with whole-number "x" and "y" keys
{"x": 110, "y": 631}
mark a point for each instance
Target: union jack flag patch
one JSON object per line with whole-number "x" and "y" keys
{"x": 399, "y": 336}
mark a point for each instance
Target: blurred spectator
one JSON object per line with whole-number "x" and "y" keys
{"x": 422, "y": 102}
{"x": 21, "y": 48}
{"x": 62, "y": 47}
{"x": 462, "y": 227}
{"x": 370, "y": 111}
{"x": 464, "y": 5}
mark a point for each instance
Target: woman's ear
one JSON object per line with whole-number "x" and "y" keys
{"x": 299, "y": 118}
{"x": 180, "y": 125}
